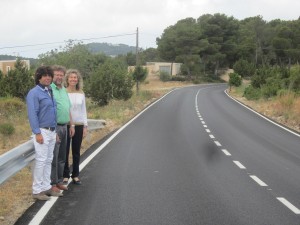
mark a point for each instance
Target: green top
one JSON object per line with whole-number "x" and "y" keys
{"x": 63, "y": 104}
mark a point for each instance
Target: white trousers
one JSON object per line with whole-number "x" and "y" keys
{"x": 43, "y": 160}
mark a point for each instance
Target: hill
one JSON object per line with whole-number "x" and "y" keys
{"x": 110, "y": 49}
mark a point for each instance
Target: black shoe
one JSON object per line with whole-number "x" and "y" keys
{"x": 76, "y": 181}
{"x": 65, "y": 181}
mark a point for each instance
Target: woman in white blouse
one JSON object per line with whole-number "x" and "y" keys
{"x": 74, "y": 83}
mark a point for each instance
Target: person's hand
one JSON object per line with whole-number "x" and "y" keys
{"x": 72, "y": 131}
{"x": 57, "y": 139}
{"x": 85, "y": 131}
{"x": 39, "y": 138}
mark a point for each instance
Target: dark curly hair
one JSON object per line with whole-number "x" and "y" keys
{"x": 42, "y": 71}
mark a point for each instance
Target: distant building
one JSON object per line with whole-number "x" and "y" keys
{"x": 7, "y": 65}
{"x": 157, "y": 67}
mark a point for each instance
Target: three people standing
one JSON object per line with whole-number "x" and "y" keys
{"x": 54, "y": 114}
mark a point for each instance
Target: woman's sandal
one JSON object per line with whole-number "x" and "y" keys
{"x": 76, "y": 180}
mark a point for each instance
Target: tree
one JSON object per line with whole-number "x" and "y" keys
{"x": 109, "y": 81}
{"x": 139, "y": 75}
{"x": 180, "y": 43}
{"x": 244, "y": 68}
{"x": 234, "y": 80}
{"x": 17, "y": 82}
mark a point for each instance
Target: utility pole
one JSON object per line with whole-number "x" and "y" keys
{"x": 137, "y": 58}
{"x": 137, "y": 47}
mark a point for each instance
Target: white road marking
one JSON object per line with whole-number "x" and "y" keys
{"x": 226, "y": 152}
{"x": 289, "y": 205}
{"x": 218, "y": 143}
{"x": 240, "y": 165}
{"x": 203, "y": 122}
{"x": 259, "y": 181}
{"x": 211, "y": 136}
{"x": 207, "y": 130}
{"x": 204, "y": 125}
{"x": 298, "y": 135}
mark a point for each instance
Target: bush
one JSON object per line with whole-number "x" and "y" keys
{"x": 235, "y": 80}
{"x": 7, "y": 129}
{"x": 178, "y": 78}
{"x": 109, "y": 81}
{"x": 10, "y": 105}
{"x": 164, "y": 76}
{"x": 244, "y": 68}
{"x": 252, "y": 93}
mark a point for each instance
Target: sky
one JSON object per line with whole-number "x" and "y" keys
{"x": 31, "y": 27}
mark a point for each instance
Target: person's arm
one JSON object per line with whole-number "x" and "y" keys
{"x": 72, "y": 126}
{"x": 85, "y": 124}
{"x": 32, "y": 111}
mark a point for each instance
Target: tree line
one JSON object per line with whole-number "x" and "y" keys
{"x": 265, "y": 52}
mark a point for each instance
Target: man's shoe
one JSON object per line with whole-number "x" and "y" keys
{"x": 62, "y": 187}
{"x": 55, "y": 188}
{"x": 51, "y": 192}
{"x": 65, "y": 181}
{"x": 41, "y": 196}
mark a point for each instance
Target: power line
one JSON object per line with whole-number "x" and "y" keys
{"x": 59, "y": 42}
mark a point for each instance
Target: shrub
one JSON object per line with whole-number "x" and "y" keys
{"x": 11, "y": 105}
{"x": 7, "y": 129}
{"x": 252, "y": 93}
{"x": 235, "y": 79}
{"x": 244, "y": 68}
{"x": 164, "y": 76}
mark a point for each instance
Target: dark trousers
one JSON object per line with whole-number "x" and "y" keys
{"x": 75, "y": 143}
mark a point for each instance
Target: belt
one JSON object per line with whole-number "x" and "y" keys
{"x": 49, "y": 128}
{"x": 61, "y": 124}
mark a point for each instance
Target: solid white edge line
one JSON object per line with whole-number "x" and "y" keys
{"x": 259, "y": 181}
{"x": 37, "y": 219}
{"x": 240, "y": 165}
{"x": 263, "y": 116}
{"x": 289, "y": 205}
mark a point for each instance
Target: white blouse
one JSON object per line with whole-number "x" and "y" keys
{"x": 78, "y": 108}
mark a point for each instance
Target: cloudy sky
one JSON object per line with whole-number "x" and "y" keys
{"x": 31, "y": 27}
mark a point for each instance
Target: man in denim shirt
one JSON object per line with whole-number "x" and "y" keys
{"x": 41, "y": 109}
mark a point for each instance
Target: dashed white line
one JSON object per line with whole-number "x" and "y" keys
{"x": 204, "y": 125}
{"x": 211, "y": 136}
{"x": 240, "y": 165}
{"x": 202, "y": 122}
{"x": 218, "y": 143}
{"x": 259, "y": 181}
{"x": 226, "y": 152}
{"x": 289, "y": 205}
{"x": 207, "y": 130}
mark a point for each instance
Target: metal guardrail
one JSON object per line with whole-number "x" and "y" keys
{"x": 19, "y": 157}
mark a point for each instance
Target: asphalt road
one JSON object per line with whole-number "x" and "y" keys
{"x": 194, "y": 157}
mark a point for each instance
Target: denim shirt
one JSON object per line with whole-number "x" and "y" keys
{"x": 41, "y": 108}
